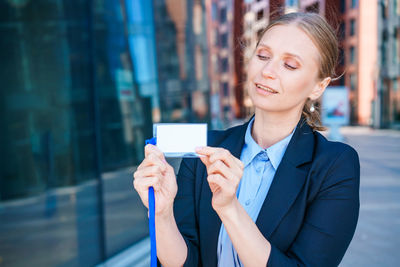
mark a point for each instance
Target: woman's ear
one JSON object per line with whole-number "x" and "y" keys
{"x": 319, "y": 88}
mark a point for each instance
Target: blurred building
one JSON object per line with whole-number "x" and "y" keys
{"x": 256, "y": 17}
{"x": 367, "y": 59}
{"x": 220, "y": 29}
{"x": 349, "y": 57}
{"x": 386, "y": 101}
{"x": 370, "y": 47}
{"x": 239, "y": 77}
{"x": 182, "y": 60}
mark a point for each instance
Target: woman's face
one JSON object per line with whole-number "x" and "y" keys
{"x": 283, "y": 71}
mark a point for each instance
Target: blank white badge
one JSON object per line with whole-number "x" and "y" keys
{"x": 180, "y": 139}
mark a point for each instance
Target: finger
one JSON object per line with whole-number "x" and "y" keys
{"x": 148, "y": 172}
{"x": 234, "y": 164}
{"x": 152, "y": 160}
{"x": 217, "y": 153}
{"x": 221, "y": 154}
{"x": 206, "y": 150}
{"x": 221, "y": 182}
{"x": 239, "y": 163}
{"x": 210, "y": 152}
{"x": 214, "y": 187}
{"x": 228, "y": 173}
{"x": 143, "y": 183}
{"x": 152, "y": 149}
{"x": 226, "y": 156}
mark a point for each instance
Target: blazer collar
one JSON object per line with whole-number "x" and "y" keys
{"x": 302, "y": 144}
{"x": 235, "y": 140}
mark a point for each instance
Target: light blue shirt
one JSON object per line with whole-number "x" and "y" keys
{"x": 260, "y": 167}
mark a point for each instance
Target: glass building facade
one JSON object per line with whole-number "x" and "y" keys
{"x": 82, "y": 83}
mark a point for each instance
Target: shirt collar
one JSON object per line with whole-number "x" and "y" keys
{"x": 275, "y": 152}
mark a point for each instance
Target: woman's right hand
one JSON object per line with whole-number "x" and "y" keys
{"x": 155, "y": 171}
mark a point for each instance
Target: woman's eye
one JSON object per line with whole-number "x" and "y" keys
{"x": 262, "y": 57}
{"x": 290, "y": 67}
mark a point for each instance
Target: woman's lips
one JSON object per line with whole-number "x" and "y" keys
{"x": 264, "y": 89}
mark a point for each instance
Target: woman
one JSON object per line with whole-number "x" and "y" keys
{"x": 270, "y": 192}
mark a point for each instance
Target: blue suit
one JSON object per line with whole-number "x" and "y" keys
{"x": 309, "y": 215}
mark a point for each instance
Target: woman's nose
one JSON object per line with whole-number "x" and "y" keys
{"x": 268, "y": 70}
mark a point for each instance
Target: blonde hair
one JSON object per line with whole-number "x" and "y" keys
{"x": 324, "y": 38}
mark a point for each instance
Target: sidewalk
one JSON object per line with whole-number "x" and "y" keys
{"x": 377, "y": 237}
{"x": 137, "y": 255}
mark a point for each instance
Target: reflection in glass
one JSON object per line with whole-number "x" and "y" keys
{"x": 48, "y": 184}
{"x": 59, "y": 60}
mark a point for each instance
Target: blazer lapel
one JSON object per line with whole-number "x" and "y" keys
{"x": 210, "y": 221}
{"x": 288, "y": 180}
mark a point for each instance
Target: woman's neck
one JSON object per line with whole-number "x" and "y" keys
{"x": 269, "y": 129}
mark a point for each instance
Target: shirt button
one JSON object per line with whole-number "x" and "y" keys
{"x": 248, "y": 202}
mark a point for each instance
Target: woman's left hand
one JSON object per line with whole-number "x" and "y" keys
{"x": 224, "y": 174}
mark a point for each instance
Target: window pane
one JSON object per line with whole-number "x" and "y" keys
{"x": 352, "y": 54}
{"x": 223, "y": 15}
{"x": 125, "y": 113}
{"x": 352, "y": 27}
{"x": 48, "y": 192}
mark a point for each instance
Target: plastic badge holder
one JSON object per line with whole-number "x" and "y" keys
{"x": 179, "y": 140}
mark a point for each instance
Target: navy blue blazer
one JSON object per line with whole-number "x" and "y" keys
{"x": 309, "y": 215}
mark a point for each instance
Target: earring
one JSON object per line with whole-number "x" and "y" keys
{"x": 312, "y": 108}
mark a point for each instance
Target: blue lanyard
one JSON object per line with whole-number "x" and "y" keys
{"x": 152, "y": 222}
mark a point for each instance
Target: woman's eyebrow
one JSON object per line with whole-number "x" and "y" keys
{"x": 286, "y": 53}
